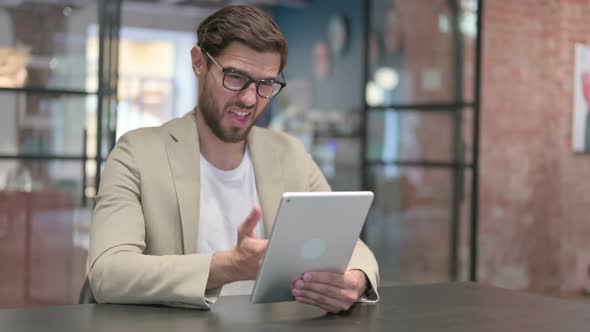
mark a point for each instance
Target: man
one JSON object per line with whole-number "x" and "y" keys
{"x": 177, "y": 219}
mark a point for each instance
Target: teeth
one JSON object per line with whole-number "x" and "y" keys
{"x": 239, "y": 113}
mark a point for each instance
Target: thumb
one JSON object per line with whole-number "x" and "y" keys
{"x": 256, "y": 246}
{"x": 247, "y": 227}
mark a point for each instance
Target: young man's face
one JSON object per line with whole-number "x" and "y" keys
{"x": 231, "y": 114}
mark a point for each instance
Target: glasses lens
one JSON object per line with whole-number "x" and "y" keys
{"x": 234, "y": 81}
{"x": 268, "y": 89}
{"x": 237, "y": 82}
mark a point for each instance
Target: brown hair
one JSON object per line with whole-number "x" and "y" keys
{"x": 246, "y": 24}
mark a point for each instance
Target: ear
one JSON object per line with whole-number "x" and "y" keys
{"x": 198, "y": 61}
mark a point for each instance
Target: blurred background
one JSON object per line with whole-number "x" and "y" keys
{"x": 465, "y": 117}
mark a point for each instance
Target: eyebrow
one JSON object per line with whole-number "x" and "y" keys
{"x": 276, "y": 78}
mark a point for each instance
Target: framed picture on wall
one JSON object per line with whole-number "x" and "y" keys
{"x": 581, "y": 123}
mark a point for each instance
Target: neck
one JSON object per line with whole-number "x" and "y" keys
{"x": 223, "y": 155}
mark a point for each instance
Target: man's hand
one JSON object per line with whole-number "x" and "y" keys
{"x": 333, "y": 292}
{"x": 243, "y": 261}
{"x": 247, "y": 255}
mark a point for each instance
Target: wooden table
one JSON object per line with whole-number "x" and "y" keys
{"x": 447, "y": 307}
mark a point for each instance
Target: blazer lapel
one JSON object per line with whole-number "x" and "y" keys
{"x": 184, "y": 159}
{"x": 267, "y": 169}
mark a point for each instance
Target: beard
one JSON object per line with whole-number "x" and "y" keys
{"x": 213, "y": 118}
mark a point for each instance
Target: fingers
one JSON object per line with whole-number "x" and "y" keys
{"x": 327, "y": 300}
{"x": 329, "y": 278}
{"x": 249, "y": 254}
{"x": 320, "y": 299}
{"x": 247, "y": 227}
{"x": 333, "y": 292}
{"x": 255, "y": 245}
{"x": 339, "y": 294}
{"x": 351, "y": 279}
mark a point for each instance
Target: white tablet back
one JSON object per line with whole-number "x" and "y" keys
{"x": 312, "y": 232}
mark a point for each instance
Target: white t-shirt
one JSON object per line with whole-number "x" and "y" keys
{"x": 227, "y": 198}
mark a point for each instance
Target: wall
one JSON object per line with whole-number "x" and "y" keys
{"x": 305, "y": 26}
{"x": 535, "y": 192}
{"x": 426, "y": 193}
{"x": 323, "y": 113}
{"x": 419, "y": 225}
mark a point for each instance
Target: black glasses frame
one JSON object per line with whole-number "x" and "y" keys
{"x": 251, "y": 80}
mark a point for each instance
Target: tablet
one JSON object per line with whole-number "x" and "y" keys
{"x": 313, "y": 231}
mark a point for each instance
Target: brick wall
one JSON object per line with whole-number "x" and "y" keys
{"x": 535, "y": 192}
{"x": 425, "y": 221}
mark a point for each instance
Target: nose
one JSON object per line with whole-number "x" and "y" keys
{"x": 249, "y": 95}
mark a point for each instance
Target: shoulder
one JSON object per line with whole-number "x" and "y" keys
{"x": 300, "y": 172}
{"x": 154, "y": 137}
{"x": 277, "y": 141}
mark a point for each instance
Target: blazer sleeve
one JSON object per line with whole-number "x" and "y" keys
{"x": 118, "y": 269}
{"x": 362, "y": 257}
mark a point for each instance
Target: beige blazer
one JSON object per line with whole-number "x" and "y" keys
{"x": 144, "y": 230}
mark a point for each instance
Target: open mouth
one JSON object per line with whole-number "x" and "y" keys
{"x": 239, "y": 118}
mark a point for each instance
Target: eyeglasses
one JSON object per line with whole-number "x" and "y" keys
{"x": 235, "y": 80}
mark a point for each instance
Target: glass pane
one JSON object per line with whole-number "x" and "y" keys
{"x": 419, "y": 136}
{"x": 53, "y": 54}
{"x": 331, "y": 136}
{"x": 44, "y": 124}
{"x": 43, "y": 233}
{"x": 409, "y": 225}
{"x": 409, "y": 62}
{"x": 155, "y": 80}
{"x": 468, "y": 25}
{"x": 338, "y": 158}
